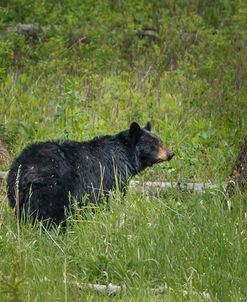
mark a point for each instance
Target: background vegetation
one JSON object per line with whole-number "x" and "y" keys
{"x": 92, "y": 71}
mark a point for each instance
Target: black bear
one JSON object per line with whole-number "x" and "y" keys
{"x": 44, "y": 177}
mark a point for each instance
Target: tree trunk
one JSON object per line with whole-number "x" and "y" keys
{"x": 238, "y": 177}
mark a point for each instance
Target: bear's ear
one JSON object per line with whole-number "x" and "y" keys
{"x": 134, "y": 132}
{"x": 148, "y": 126}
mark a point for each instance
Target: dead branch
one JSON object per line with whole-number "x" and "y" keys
{"x": 78, "y": 39}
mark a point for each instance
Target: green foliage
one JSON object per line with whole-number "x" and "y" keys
{"x": 183, "y": 243}
{"x": 91, "y": 72}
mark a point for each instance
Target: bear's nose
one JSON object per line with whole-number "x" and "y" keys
{"x": 170, "y": 155}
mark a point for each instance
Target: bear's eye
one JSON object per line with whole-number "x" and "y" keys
{"x": 153, "y": 147}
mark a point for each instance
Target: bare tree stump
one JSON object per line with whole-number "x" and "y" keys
{"x": 238, "y": 176}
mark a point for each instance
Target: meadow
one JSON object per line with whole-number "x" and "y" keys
{"x": 91, "y": 70}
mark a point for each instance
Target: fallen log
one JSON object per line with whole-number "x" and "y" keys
{"x": 3, "y": 176}
{"x": 28, "y": 29}
{"x": 3, "y": 196}
{"x": 33, "y": 30}
{"x": 109, "y": 289}
{"x": 112, "y": 289}
{"x": 191, "y": 186}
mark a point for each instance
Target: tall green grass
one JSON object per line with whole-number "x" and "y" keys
{"x": 186, "y": 244}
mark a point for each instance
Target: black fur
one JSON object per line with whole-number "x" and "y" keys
{"x": 50, "y": 172}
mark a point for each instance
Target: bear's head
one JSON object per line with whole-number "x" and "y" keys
{"x": 148, "y": 147}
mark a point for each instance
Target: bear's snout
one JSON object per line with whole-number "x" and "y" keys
{"x": 164, "y": 154}
{"x": 170, "y": 155}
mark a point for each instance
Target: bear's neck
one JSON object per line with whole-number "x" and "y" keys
{"x": 113, "y": 154}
